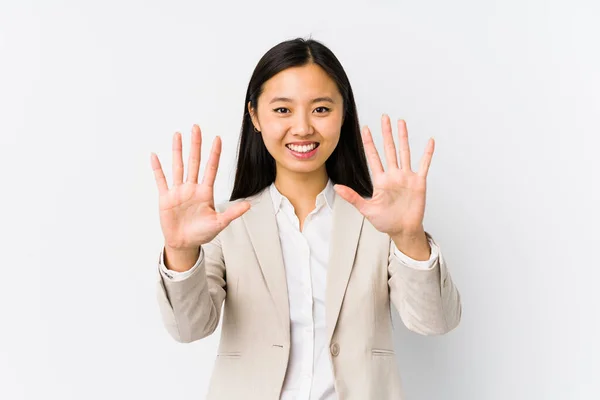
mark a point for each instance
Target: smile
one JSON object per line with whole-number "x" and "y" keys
{"x": 305, "y": 148}
{"x": 304, "y": 151}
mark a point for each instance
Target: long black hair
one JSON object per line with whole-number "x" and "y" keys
{"x": 347, "y": 165}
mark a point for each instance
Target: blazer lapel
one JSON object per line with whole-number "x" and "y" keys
{"x": 262, "y": 229}
{"x": 346, "y": 228}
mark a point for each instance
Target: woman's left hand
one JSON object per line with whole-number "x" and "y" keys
{"x": 398, "y": 203}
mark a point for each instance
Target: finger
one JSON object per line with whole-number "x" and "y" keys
{"x": 371, "y": 151}
{"x": 177, "y": 160}
{"x": 351, "y": 197}
{"x": 212, "y": 166}
{"x": 426, "y": 159}
{"x": 388, "y": 142}
{"x": 194, "y": 158}
{"x": 404, "y": 147}
{"x": 159, "y": 176}
{"x": 233, "y": 212}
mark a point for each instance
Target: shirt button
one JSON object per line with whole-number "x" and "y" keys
{"x": 335, "y": 349}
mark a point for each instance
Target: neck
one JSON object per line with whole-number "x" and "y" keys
{"x": 301, "y": 189}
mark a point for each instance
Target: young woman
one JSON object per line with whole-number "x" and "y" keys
{"x": 308, "y": 252}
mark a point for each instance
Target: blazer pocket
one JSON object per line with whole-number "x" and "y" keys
{"x": 383, "y": 352}
{"x": 229, "y": 354}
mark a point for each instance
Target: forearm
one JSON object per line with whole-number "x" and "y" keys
{"x": 427, "y": 299}
{"x": 191, "y": 305}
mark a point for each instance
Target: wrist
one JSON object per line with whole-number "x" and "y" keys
{"x": 180, "y": 259}
{"x": 181, "y": 250}
{"x": 414, "y": 244}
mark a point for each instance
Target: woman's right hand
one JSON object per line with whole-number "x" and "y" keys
{"x": 187, "y": 211}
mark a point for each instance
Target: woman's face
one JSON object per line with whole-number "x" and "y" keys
{"x": 299, "y": 114}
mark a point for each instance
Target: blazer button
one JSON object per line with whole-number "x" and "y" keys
{"x": 335, "y": 349}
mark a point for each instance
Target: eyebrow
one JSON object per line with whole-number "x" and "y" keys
{"x": 288, "y": 100}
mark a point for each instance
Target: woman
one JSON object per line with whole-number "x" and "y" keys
{"x": 308, "y": 252}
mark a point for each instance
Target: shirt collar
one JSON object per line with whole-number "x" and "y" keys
{"x": 327, "y": 196}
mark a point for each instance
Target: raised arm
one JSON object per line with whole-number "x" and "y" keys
{"x": 190, "y": 304}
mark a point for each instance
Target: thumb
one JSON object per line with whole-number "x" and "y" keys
{"x": 350, "y": 196}
{"x": 233, "y": 212}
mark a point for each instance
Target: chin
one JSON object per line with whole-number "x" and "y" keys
{"x": 305, "y": 167}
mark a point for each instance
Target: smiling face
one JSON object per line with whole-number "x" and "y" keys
{"x": 299, "y": 115}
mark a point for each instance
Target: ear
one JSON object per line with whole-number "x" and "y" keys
{"x": 253, "y": 116}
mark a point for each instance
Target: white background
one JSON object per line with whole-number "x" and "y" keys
{"x": 509, "y": 89}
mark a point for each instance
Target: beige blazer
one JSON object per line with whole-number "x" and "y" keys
{"x": 243, "y": 269}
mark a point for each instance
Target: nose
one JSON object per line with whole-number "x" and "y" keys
{"x": 301, "y": 125}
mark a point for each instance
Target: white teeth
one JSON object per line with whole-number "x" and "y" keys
{"x": 302, "y": 149}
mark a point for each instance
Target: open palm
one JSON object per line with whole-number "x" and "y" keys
{"x": 399, "y": 194}
{"x": 187, "y": 211}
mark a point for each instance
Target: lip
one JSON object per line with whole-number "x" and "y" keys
{"x": 303, "y": 156}
{"x": 301, "y": 143}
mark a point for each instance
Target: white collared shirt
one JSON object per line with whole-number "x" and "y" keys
{"x": 305, "y": 253}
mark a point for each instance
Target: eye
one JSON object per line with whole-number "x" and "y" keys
{"x": 281, "y": 110}
{"x": 323, "y": 110}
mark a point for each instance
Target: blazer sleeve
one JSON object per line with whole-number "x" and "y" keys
{"x": 191, "y": 307}
{"x": 427, "y": 300}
